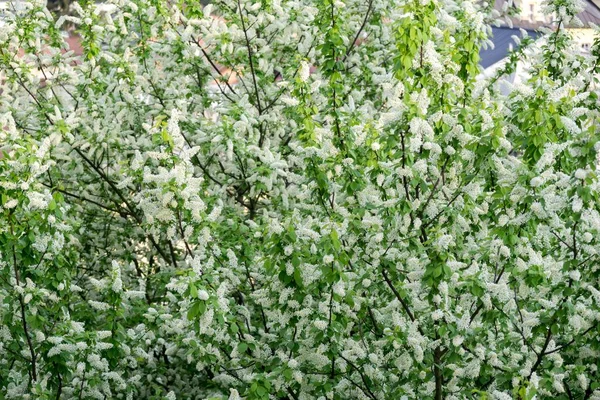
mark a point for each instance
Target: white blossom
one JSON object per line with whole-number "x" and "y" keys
{"x": 203, "y": 295}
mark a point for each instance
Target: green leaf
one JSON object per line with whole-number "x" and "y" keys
{"x": 242, "y": 347}
{"x": 295, "y": 261}
{"x": 193, "y": 290}
{"x": 261, "y": 391}
{"x": 297, "y": 277}
{"x": 447, "y": 271}
{"x": 268, "y": 265}
{"x": 335, "y": 240}
{"x": 193, "y": 311}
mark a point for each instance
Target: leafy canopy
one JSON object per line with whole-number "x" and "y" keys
{"x": 295, "y": 200}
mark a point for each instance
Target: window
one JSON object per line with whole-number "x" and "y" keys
{"x": 532, "y": 12}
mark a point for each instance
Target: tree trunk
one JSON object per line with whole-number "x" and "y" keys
{"x": 437, "y": 373}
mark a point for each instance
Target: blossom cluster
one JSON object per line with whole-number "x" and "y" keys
{"x": 295, "y": 199}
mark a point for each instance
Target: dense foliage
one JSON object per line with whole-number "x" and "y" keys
{"x": 295, "y": 200}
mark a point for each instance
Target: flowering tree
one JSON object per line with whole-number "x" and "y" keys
{"x": 295, "y": 200}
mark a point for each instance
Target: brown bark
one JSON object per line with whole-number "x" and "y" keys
{"x": 437, "y": 373}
